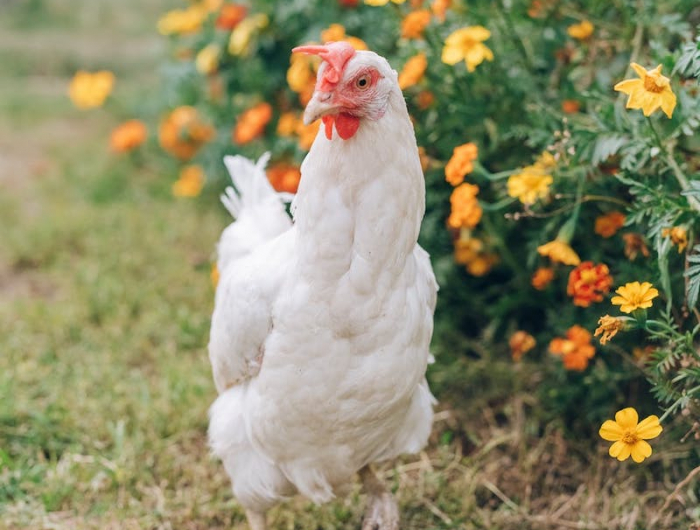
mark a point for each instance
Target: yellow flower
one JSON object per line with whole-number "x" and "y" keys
{"x": 413, "y": 71}
{"x": 382, "y": 2}
{"x": 542, "y": 278}
{"x": 89, "y": 90}
{"x": 466, "y": 212}
{"x": 182, "y": 21}
{"x": 678, "y": 235}
{"x": 128, "y": 136}
{"x": 529, "y": 185}
{"x": 608, "y": 327}
{"x": 546, "y": 161}
{"x": 629, "y": 435}
{"x": 207, "y": 61}
{"x": 559, "y": 251}
{"x": 239, "y": 43}
{"x": 467, "y": 44}
{"x": 190, "y": 183}
{"x": 183, "y": 132}
{"x": 301, "y": 74}
{"x": 581, "y": 31}
{"x": 634, "y": 295}
{"x": 650, "y": 92}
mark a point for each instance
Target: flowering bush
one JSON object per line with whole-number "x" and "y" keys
{"x": 560, "y": 158}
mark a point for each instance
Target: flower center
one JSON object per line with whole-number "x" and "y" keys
{"x": 651, "y": 84}
{"x": 588, "y": 276}
{"x": 630, "y": 437}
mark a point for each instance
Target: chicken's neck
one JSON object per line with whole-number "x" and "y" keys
{"x": 360, "y": 202}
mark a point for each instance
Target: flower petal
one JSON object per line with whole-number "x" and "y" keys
{"x": 639, "y": 70}
{"x": 610, "y": 431}
{"x": 628, "y": 85}
{"x": 640, "y": 451}
{"x": 619, "y": 450}
{"x": 452, "y": 54}
{"x": 649, "y": 428}
{"x": 627, "y": 418}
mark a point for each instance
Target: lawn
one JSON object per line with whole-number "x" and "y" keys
{"x": 105, "y": 299}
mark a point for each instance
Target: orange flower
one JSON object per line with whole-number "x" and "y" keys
{"x": 542, "y": 277}
{"x": 588, "y": 283}
{"x": 424, "y": 159}
{"x": 576, "y": 349}
{"x": 251, "y": 124}
{"x": 128, "y": 136}
{"x": 439, "y": 8}
{"x": 634, "y": 245}
{"x": 461, "y": 163}
{"x": 570, "y": 106}
{"x": 415, "y": 22}
{"x": 482, "y": 264}
{"x": 307, "y": 134}
{"x": 230, "y": 16}
{"x": 520, "y": 343}
{"x": 182, "y": 133}
{"x": 413, "y": 71}
{"x": 608, "y": 327}
{"x": 287, "y": 124}
{"x": 190, "y": 183}
{"x": 678, "y": 235}
{"x": 425, "y": 99}
{"x": 466, "y": 212}
{"x": 284, "y": 177}
{"x": 336, "y": 33}
{"x": 469, "y": 251}
{"x": 214, "y": 275}
{"x": 89, "y": 90}
{"x": 607, "y": 225}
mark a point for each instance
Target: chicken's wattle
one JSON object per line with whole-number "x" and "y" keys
{"x": 345, "y": 124}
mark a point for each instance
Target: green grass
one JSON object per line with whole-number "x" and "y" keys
{"x": 104, "y": 311}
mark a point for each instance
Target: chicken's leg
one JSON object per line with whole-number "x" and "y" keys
{"x": 256, "y": 520}
{"x": 382, "y": 512}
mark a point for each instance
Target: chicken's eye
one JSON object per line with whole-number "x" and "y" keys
{"x": 363, "y": 82}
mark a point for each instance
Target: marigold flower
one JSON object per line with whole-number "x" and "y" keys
{"x": 288, "y": 124}
{"x": 467, "y": 249}
{"x": 307, "y": 134}
{"x": 608, "y": 326}
{"x": 230, "y": 16}
{"x": 466, "y": 212}
{"x": 284, "y": 177}
{"x": 128, "y": 136}
{"x": 580, "y": 31}
{"x": 461, "y": 163}
{"x": 520, "y": 343}
{"x": 588, "y": 283}
{"x": 214, "y": 275}
{"x": 634, "y": 295}
{"x": 382, "y": 2}
{"x": 560, "y": 252}
{"x": 650, "y": 92}
{"x": 439, "y": 8}
{"x": 634, "y": 244}
{"x": 575, "y": 350}
{"x": 239, "y": 42}
{"x": 251, "y": 124}
{"x": 182, "y": 21}
{"x": 207, "y": 61}
{"x": 570, "y": 106}
{"x": 542, "y": 278}
{"x": 182, "y": 133}
{"x": 481, "y": 264}
{"x": 413, "y": 71}
{"x": 425, "y": 99}
{"x": 608, "y": 224}
{"x": 467, "y": 44}
{"x": 336, "y": 33}
{"x": 88, "y": 90}
{"x": 629, "y": 435}
{"x": 190, "y": 183}
{"x": 414, "y": 23}
{"x": 678, "y": 235}
{"x": 530, "y": 184}
{"x": 301, "y": 74}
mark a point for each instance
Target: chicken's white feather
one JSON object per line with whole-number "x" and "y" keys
{"x": 320, "y": 336}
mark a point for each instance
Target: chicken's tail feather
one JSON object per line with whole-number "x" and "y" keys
{"x": 250, "y": 184}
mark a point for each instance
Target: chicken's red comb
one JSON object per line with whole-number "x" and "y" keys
{"x": 336, "y": 54}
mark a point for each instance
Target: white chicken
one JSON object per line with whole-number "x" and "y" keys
{"x": 321, "y": 328}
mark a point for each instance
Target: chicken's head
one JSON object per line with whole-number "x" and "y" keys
{"x": 352, "y": 86}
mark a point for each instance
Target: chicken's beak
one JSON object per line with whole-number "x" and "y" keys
{"x": 320, "y": 105}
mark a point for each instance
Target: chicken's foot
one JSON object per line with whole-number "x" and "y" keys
{"x": 382, "y": 513}
{"x": 256, "y": 520}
